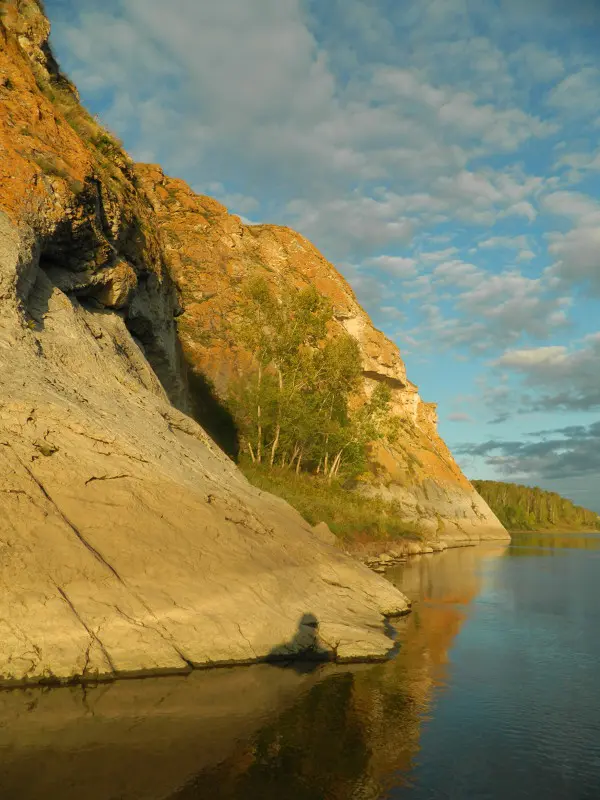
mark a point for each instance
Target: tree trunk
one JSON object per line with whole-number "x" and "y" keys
{"x": 278, "y": 426}
{"x": 299, "y": 462}
{"x": 275, "y": 444}
{"x": 294, "y": 455}
{"x": 259, "y": 418}
{"x": 338, "y": 461}
{"x": 334, "y": 466}
{"x": 251, "y": 453}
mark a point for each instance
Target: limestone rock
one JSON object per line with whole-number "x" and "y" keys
{"x": 325, "y": 535}
{"x": 129, "y": 543}
{"x": 212, "y": 253}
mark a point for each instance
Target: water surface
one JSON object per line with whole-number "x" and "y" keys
{"x": 493, "y": 694}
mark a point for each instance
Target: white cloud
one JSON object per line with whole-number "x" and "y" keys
{"x": 437, "y": 255}
{"x": 355, "y": 224}
{"x": 247, "y": 95}
{"x": 459, "y": 417}
{"x": 392, "y": 311}
{"x": 563, "y": 377}
{"x": 573, "y": 205}
{"x": 525, "y": 255}
{"x": 577, "y": 252}
{"x": 535, "y": 63}
{"x": 533, "y": 358}
{"x": 457, "y": 274}
{"x": 397, "y": 266}
{"x": 510, "y": 242}
{"x": 577, "y": 94}
{"x": 580, "y": 161}
{"x": 488, "y": 311}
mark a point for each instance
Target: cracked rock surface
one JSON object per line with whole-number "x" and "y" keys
{"x": 129, "y": 542}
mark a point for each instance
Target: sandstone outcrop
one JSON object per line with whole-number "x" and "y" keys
{"x": 129, "y": 543}
{"x": 212, "y": 253}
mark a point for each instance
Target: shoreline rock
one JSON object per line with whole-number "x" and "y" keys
{"x": 130, "y": 544}
{"x": 379, "y": 560}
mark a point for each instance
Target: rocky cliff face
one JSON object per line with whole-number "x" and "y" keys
{"x": 212, "y": 253}
{"x": 129, "y": 543}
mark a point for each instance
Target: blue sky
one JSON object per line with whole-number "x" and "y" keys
{"x": 443, "y": 154}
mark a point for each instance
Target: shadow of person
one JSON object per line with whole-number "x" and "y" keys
{"x": 305, "y": 651}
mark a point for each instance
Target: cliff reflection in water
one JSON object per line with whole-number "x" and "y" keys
{"x": 355, "y": 735}
{"x": 257, "y": 733}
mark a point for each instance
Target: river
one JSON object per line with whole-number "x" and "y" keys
{"x": 493, "y": 694}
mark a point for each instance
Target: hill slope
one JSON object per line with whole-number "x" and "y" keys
{"x": 526, "y": 508}
{"x": 212, "y": 255}
{"x": 129, "y": 543}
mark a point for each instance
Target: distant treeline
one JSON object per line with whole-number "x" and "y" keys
{"x": 528, "y": 508}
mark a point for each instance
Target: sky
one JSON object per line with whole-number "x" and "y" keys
{"x": 443, "y": 154}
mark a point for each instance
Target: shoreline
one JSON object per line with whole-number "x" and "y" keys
{"x": 288, "y": 661}
{"x": 399, "y": 552}
{"x": 378, "y": 562}
{"x": 557, "y": 530}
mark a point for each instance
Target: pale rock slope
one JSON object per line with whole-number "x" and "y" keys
{"x": 129, "y": 542}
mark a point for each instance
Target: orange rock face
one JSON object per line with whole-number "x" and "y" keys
{"x": 211, "y": 254}
{"x": 129, "y": 543}
{"x": 128, "y": 239}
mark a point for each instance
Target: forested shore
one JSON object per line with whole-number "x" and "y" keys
{"x": 527, "y": 508}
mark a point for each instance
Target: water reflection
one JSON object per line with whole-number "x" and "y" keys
{"x": 492, "y": 694}
{"x": 552, "y": 543}
{"x": 260, "y": 732}
{"x": 356, "y": 736}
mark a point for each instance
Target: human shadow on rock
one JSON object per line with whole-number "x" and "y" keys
{"x": 304, "y": 653}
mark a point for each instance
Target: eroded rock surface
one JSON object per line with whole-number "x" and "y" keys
{"x": 128, "y": 541}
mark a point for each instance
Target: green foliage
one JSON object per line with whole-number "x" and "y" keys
{"x": 349, "y": 514}
{"x": 50, "y": 165}
{"x": 107, "y": 148}
{"x": 294, "y": 409}
{"x": 107, "y": 144}
{"x": 528, "y": 508}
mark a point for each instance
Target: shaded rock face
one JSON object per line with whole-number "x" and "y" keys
{"x": 212, "y": 254}
{"x": 129, "y": 543}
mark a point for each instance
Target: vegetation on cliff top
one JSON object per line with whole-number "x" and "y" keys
{"x": 304, "y": 428}
{"x": 529, "y": 508}
{"x": 298, "y": 406}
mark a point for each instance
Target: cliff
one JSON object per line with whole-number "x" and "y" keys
{"x": 129, "y": 543}
{"x": 211, "y": 255}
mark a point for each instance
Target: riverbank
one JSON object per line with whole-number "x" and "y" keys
{"x": 380, "y": 559}
{"x": 558, "y": 530}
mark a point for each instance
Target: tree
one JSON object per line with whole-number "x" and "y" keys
{"x": 530, "y": 508}
{"x": 294, "y": 410}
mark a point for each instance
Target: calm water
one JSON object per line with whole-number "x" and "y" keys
{"x": 494, "y": 693}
